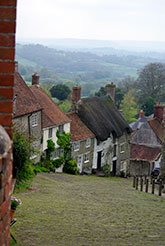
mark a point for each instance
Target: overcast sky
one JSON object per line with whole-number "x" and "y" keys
{"x": 92, "y": 19}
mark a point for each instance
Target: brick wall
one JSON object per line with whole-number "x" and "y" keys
{"x": 7, "y": 52}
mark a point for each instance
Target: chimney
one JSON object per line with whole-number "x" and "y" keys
{"x": 16, "y": 67}
{"x": 110, "y": 90}
{"x": 76, "y": 95}
{"x": 159, "y": 112}
{"x": 141, "y": 114}
{"x": 35, "y": 79}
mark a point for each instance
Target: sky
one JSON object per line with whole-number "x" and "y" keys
{"x": 91, "y": 19}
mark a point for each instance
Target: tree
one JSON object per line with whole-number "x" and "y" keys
{"x": 101, "y": 92}
{"x": 129, "y": 106}
{"x": 148, "y": 105}
{"x": 119, "y": 94}
{"x": 151, "y": 81}
{"x": 60, "y": 91}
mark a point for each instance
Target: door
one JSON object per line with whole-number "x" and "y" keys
{"x": 114, "y": 168}
{"x": 99, "y": 160}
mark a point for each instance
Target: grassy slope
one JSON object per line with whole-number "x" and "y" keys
{"x": 87, "y": 210}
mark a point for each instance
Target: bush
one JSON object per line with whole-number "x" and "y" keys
{"x": 71, "y": 167}
{"x": 22, "y": 150}
{"x": 106, "y": 170}
{"x": 58, "y": 162}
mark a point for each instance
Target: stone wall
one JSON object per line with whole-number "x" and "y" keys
{"x": 139, "y": 168}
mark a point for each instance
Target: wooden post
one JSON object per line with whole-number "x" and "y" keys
{"x": 137, "y": 180}
{"x": 160, "y": 187}
{"x": 145, "y": 179}
{"x": 153, "y": 186}
{"x": 141, "y": 184}
{"x": 134, "y": 181}
{"x": 151, "y": 180}
{"x": 147, "y": 185}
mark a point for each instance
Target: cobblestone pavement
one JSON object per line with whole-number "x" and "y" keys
{"x": 66, "y": 210}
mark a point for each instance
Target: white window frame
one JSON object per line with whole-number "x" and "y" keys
{"x": 50, "y": 133}
{"x": 76, "y": 146}
{"x": 79, "y": 159}
{"x": 88, "y": 143}
{"x": 86, "y": 157}
{"x": 34, "y": 120}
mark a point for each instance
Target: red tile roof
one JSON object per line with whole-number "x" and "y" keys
{"x": 52, "y": 115}
{"x": 79, "y": 131}
{"x": 25, "y": 101}
{"x": 145, "y": 153}
{"x": 157, "y": 128}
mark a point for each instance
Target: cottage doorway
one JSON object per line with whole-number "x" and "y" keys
{"x": 114, "y": 168}
{"x": 99, "y": 160}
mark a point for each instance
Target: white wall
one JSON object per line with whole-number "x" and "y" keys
{"x": 107, "y": 152}
{"x": 54, "y": 138}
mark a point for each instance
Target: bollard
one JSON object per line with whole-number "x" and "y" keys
{"x": 160, "y": 187}
{"x": 134, "y": 181}
{"x": 145, "y": 179}
{"x": 147, "y": 185}
{"x": 153, "y": 186}
{"x": 141, "y": 184}
{"x": 137, "y": 180}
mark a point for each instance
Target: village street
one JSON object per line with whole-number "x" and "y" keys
{"x": 67, "y": 210}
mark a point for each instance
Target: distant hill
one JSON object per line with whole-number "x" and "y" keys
{"x": 90, "y": 67}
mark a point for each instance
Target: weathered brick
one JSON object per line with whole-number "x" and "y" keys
{"x": 6, "y": 80}
{"x": 7, "y": 13}
{"x": 6, "y": 120}
{"x": 4, "y": 208}
{"x": 6, "y": 93}
{"x": 7, "y": 40}
{"x": 7, "y": 26}
{"x": 8, "y": 3}
{"x": 6, "y": 107}
{"x": 9, "y": 132}
{"x": 2, "y": 196}
{"x": 6, "y": 220}
{"x": 7, "y": 67}
{"x": 7, "y": 53}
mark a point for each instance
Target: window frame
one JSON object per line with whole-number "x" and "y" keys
{"x": 76, "y": 146}
{"x": 61, "y": 128}
{"x": 122, "y": 148}
{"x": 50, "y": 130}
{"x": 88, "y": 142}
{"x": 34, "y": 120}
{"x": 86, "y": 157}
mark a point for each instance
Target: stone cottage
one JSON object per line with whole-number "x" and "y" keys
{"x": 27, "y": 113}
{"x": 53, "y": 118}
{"x": 82, "y": 142}
{"x": 112, "y": 132}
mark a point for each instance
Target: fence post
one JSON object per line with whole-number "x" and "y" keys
{"x": 153, "y": 186}
{"x": 134, "y": 181}
{"x": 137, "y": 180}
{"x": 145, "y": 179}
{"x": 147, "y": 185}
{"x": 141, "y": 184}
{"x": 160, "y": 187}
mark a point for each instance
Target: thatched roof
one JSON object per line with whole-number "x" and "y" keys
{"x": 102, "y": 117}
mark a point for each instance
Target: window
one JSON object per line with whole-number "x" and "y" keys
{"x": 76, "y": 146}
{"x": 79, "y": 159}
{"x": 88, "y": 143}
{"x": 34, "y": 120}
{"x": 86, "y": 158}
{"x": 61, "y": 129}
{"x": 50, "y": 133}
{"x": 122, "y": 148}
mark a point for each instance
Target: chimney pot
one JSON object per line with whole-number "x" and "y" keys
{"x": 110, "y": 90}
{"x": 159, "y": 112}
{"x": 35, "y": 79}
{"x": 76, "y": 95}
{"x": 141, "y": 114}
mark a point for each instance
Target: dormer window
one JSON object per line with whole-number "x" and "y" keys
{"x": 88, "y": 143}
{"x": 122, "y": 148}
{"x": 34, "y": 120}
